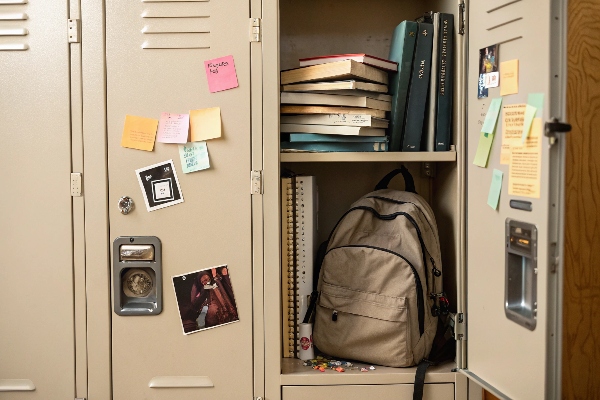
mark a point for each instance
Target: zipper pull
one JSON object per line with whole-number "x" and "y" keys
{"x": 334, "y": 315}
{"x": 435, "y": 271}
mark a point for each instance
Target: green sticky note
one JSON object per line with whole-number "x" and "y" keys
{"x": 536, "y": 100}
{"x": 492, "y": 116}
{"x": 194, "y": 157}
{"x": 495, "y": 189}
{"x": 483, "y": 149}
{"x": 528, "y": 119}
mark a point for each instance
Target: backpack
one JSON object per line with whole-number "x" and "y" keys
{"x": 379, "y": 290}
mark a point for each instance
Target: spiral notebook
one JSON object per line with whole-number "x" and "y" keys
{"x": 299, "y": 210}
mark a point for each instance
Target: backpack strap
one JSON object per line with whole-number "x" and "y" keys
{"x": 317, "y": 271}
{"x": 420, "y": 379}
{"x": 409, "y": 183}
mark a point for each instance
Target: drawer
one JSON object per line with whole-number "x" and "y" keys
{"x": 433, "y": 391}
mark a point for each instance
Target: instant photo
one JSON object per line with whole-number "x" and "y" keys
{"x": 488, "y": 70}
{"x": 205, "y": 299}
{"x": 159, "y": 185}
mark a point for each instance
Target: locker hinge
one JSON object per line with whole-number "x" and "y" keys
{"x": 460, "y": 331}
{"x": 76, "y": 184}
{"x": 258, "y": 398}
{"x": 554, "y": 127}
{"x": 74, "y": 26}
{"x": 461, "y": 17}
{"x": 554, "y": 257}
{"x": 256, "y": 182}
{"x": 255, "y": 29}
{"x": 79, "y": 398}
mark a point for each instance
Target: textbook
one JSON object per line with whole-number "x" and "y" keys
{"x": 295, "y": 109}
{"x": 334, "y": 100}
{"x": 326, "y": 147}
{"x": 335, "y": 119}
{"x": 318, "y": 137}
{"x": 357, "y": 93}
{"x": 443, "y": 128}
{"x": 332, "y": 130}
{"x": 347, "y": 69}
{"x": 335, "y": 85}
{"x": 429, "y": 123}
{"x": 361, "y": 58}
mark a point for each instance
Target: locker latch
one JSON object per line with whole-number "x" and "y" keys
{"x": 256, "y": 182}
{"x": 74, "y": 26}
{"x": 461, "y": 17}
{"x": 554, "y": 127}
{"x": 255, "y": 29}
{"x": 460, "y": 331}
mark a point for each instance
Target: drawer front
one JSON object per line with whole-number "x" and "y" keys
{"x": 433, "y": 391}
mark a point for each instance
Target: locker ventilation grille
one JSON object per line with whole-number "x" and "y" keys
{"x": 505, "y": 20}
{"x": 181, "y": 24}
{"x": 12, "y": 25}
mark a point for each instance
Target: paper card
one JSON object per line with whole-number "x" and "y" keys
{"x": 525, "y": 170}
{"x": 205, "y": 124}
{"x": 513, "y": 116}
{"x": 492, "y": 80}
{"x": 527, "y": 120}
{"x": 220, "y": 73}
{"x": 489, "y": 125}
{"x": 139, "y": 133}
{"x": 536, "y": 100}
{"x": 509, "y": 77}
{"x": 483, "y": 149}
{"x": 495, "y": 189}
{"x": 194, "y": 157}
{"x": 173, "y": 128}
{"x": 488, "y": 67}
{"x": 159, "y": 185}
{"x": 205, "y": 299}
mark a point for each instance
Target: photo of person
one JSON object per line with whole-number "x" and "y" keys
{"x": 205, "y": 299}
{"x": 488, "y": 67}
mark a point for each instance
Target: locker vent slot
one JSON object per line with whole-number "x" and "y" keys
{"x": 182, "y": 24}
{"x": 502, "y": 6}
{"x": 506, "y": 21}
{"x": 13, "y": 29}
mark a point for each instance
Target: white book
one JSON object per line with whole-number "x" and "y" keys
{"x": 332, "y": 130}
{"x": 335, "y": 85}
{"x": 335, "y": 119}
{"x": 334, "y": 100}
{"x": 371, "y": 95}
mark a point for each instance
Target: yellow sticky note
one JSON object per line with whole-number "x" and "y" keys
{"x": 139, "y": 133}
{"x": 509, "y": 77}
{"x": 513, "y": 116}
{"x": 205, "y": 124}
{"x": 525, "y": 170}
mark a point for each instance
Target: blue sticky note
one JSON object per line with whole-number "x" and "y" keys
{"x": 194, "y": 157}
{"x": 492, "y": 116}
{"x": 536, "y": 100}
{"x": 527, "y": 120}
{"x": 495, "y": 189}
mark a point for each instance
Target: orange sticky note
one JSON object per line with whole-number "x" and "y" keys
{"x": 139, "y": 133}
{"x": 205, "y": 124}
{"x": 509, "y": 77}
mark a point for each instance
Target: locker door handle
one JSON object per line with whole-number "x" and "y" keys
{"x": 16, "y": 385}
{"x": 180, "y": 382}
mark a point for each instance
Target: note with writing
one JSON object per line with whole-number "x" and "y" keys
{"x": 205, "y": 124}
{"x": 483, "y": 149}
{"x": 525, "y": 169}
{"x": 221, "y": 74}
{"x": 173, "y": 128}
{"x": 495, "y": 189}
{"x": 513, "y": 117}
{"x": 139, "y": 133}
{"x": 489, "y": 125}
{"x": 527, "y": 120}
{"x": 194, "y": 157}
{"x": 509, "y": 77}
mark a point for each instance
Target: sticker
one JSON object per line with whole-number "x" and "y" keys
{"x": 205, "y": 124}
{"x": 159, "y": 185}
{"x": 194, "y": 157}
{"x": 509, "y": 77}
{"x": 205, "y": 299}
{"x": 221, "y": 74}
{"x": 488, "y": 70}
{"x": 139, "y": 133}
{"x": 173, "y": 128}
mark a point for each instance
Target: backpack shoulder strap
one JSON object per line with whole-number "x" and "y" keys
{"x": 409, "y": 183}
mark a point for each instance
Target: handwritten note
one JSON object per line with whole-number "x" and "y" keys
{"x": 527, "y": 120}
{"x": 489, "y": 125}
{"x": 483, "y": 149}
{"x": 525, "y": 170}
{"x": 205, "y": 124}
{"x": 495, "y": 189}
{"x": 513, "y": 116}
{"x": 139, "y": 133}
{"x": 220, "y": 73}
{"x": 173, "y": 128}
{"x": 509, "y": 77}
{"x": 194, "y": 157}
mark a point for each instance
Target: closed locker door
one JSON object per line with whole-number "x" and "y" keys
{"x": 37, "y": 359}
{"x": 155, "y": 54}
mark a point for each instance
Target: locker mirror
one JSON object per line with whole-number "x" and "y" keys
{"x": 520, "y": 299}
{"x": 137, "y": 275}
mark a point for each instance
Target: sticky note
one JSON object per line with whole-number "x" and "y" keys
{"x": 220, "y": 73}
{"x": 536, "y": 100}
{"x": 509, "y": 77}
{"x": 525, "y": 170}
{"x": 495, "y": 189}
{"x": 492, "y": 116}
{"x": 528, "y": 119}
{"x": 139, "y": 133}
{"x": 205, "y": 124}
{"x": 483, "y": 149}
{"x": 513, "y": 116}
{"x": 173, "y": 128}
{"x": 194, "y": 157}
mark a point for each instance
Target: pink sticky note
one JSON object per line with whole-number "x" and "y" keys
{"x": 220, "y": 73}
{"x": 173, "y": 128}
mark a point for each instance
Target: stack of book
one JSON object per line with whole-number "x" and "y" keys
{"x": 336, "y": 104}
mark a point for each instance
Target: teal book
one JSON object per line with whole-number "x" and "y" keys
{"x": 419, "y": 89}
{"x": 443, "y": 130}
{"x": 318, "y": 137}
{"x": 401, "y": 51}
{"x": 325, "y": 147}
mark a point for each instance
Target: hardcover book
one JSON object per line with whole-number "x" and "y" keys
{"x": 299, "y": 109}
{"x": 348, "y": 69}
{"x": 361, "y": 58}
{"x": 334, "y": 100}
{"x": 335, "y": 85}
{"x": 445, "y": 92}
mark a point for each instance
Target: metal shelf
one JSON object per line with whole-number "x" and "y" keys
{"x": 423, "y": 156}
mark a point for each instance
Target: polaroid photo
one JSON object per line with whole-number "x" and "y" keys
{"x": 205, "y": 299}
{"x": 159, "y": 185}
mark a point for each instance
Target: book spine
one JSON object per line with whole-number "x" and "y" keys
{"x": 336, "y": 147}
{"x": 329, "y": 119}
{"x": 428, "y": 143}
{"x": 445, "y": 83}
{"x": 287, "y": 267}
{"x": 319, "y": 137}
{"x": 402, "y": 50}
{"x": 419, "y": 85}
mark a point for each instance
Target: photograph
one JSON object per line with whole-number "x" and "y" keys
{"x": 205, "y": 299}
{"x": 488, "y": 70}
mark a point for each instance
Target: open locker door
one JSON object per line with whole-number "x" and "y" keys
{"x": 514, "y": 252}
{"x": 155, "y": 54}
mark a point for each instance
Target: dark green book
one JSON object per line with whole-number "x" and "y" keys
{"x": 443, "y": 129}
{"x": 402, "y": 50}
{"x": 419, "y": 88}
{"x": 334, "y": 147}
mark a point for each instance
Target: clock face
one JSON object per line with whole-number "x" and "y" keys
{"x": 137, "y": 283}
